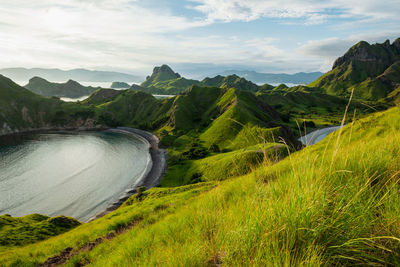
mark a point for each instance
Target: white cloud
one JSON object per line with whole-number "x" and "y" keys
{"x": 313, "y": 11}
{"x": 329, "y": 49}
{"x": 126, "y": 34}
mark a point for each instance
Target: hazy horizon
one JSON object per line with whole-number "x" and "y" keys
{"x": 191, "y": 36}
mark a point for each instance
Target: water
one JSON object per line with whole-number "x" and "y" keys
{"x": 76, "y": 175}
{"x": 317, "y": 135}
{"x": 67, "y": 99}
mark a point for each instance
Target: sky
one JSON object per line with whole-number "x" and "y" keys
{"x": 192, "y": 36}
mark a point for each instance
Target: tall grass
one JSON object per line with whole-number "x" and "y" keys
{"x": 335, "y": 203}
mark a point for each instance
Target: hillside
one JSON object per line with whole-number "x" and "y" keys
{"x": 302, "y": 210}
{"x": 119, "y": 85}
{"x": 165, "y": 81}
{"x": 370, "y": 70}
{"x": 309, "y": 107}
{"x": 83, "y": 75}
{"x": 70, "y": 89}
{"x": 22, "y": 110}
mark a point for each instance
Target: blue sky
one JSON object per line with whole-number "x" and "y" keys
{"x": 193, "y": 36}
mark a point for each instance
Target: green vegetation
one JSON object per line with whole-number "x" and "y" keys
{"x": 22, "y": 110}
{"x": 372, "y": 71}
{"x": 69, "y": 89}
{"x": 118, "y": 85}
{"x": 165, "y": 81}
{"x": 237, "y": 193}
{"x": 32, "y": 228}
{"x": 299, "y": 105}
{"x": 319, "y": 206}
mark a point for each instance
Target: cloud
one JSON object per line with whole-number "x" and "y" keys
{"x": 330, "y": 49}
{"x": 136, "y": 35}
{"x": 312, "y": 11}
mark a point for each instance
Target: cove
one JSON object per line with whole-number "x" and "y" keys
{"x": 73, "y": 174}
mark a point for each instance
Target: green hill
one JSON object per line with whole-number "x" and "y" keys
{"x": 370, "y": 70}
{"x": 22, "y": 110}
{"x": 318, "y": 207}
{"x": 160, "y": 74}
{"x": 165, "y": 81}
{"x": 118, "y": 85}
{"x": 69, "y": 89}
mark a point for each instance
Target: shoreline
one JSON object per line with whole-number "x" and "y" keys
{"x": 152, "y": 177}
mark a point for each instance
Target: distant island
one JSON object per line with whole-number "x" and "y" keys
{"x": 69, "y": 89}
{"x": 120, "y": 85}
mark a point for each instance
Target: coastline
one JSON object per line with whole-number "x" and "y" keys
{"x": 152, "y": 176}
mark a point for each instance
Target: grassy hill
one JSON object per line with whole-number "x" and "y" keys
{"x": 69, "y": 89}
{"x": 319, "y": 206}
{"x": 22, "y": 110}
{"x": 370, "y": 70}
{"x": 310, "y": 107}
{"x": 237, "y": 191}
{"x": 165, "y": 81}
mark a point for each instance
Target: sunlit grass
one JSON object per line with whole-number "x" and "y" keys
{"x": 334, "y": 203}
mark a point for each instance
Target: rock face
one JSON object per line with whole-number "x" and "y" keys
{"x": 369, "y": 70}
{"x": 384, "y": 54}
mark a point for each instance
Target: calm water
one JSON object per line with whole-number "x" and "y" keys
{"x": 77, "y": 175}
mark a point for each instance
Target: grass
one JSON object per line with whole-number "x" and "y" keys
{"x": 334, "y": 203}
{"x": 32, "y": 228}
{"x": 151, "y": 207}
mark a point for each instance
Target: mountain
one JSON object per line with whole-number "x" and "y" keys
{"x": 23, "y": 110}
{"x": 160, "y": 74}
{"x": 71, "y": 89}
{"x": 82, "y": 75}
{"x": 165, "y": 81}
{"x": 221, "y": 113}
{"x": 332, "y": 204}
{"x": 261, "y": 78}
{"x": 120, "y": 85}
{"x": 230, "y": 81}
{"x": 372, "y": 71}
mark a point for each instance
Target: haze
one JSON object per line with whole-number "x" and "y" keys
{"x": 191, "y": 36}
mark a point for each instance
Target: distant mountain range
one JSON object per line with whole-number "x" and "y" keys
{"x": 261, "y": 78}
{"x": 57, "y": 75}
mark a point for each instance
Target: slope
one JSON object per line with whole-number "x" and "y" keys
{"x": 22, "y": 110}
{"x": 361, "y": 69}
{"x": 319, "y": 207}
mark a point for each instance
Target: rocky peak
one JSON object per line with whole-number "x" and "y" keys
{"x": 166, "y": 70}
{"x": 161, "y": 73}
{"x": 396, "y": 43}
{"x": 363, "y": 51}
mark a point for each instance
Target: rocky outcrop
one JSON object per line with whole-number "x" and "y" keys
{"x": 384, "y": 54}
{"x": 162, "y": 73}
{"x": 370, "y": 71}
